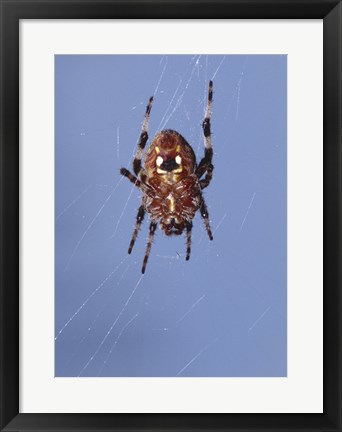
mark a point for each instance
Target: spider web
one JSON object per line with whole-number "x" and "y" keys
{"x": 104, "y": 306}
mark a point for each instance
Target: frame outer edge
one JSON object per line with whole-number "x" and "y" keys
{"x": 9, "y": 211}
{"x": 9, "y": 215}
{"x": 332, "y": 305}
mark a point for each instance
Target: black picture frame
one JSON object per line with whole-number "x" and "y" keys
{"x": 12, "y": 11}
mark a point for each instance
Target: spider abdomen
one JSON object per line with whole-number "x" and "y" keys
{"x": 174, "y": 205}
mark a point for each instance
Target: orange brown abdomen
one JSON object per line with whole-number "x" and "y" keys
{"x": 173, "y": 204}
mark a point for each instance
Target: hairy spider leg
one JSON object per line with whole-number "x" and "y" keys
{"x": 142, "y": 142}
{"x": 205, "y": 165}
{"x": 188, "y": 240}
{"x": 153, "y": 227}
{"x": 143, "y": 139}
{"x": 208, "y": 176}
{"x": 205, "y": 216}
{"x": 140, "y": 218}
{"x": 206, "y": 122}
{"x": 124, "y": 172}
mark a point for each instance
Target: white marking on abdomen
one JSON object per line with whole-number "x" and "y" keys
{"x": 171, "y": 198}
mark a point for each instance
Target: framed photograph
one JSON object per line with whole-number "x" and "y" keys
{"x": 170, "y": 225}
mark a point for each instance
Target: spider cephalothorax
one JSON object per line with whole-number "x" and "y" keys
{"x": 171, "y": 181}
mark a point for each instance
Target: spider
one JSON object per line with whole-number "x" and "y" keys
{"x": 171, "y": 181}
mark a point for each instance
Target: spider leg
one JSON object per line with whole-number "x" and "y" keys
{"x": 188, "y": 240}
{"x": 140, "y": 218}
{"x": 205, "y": 216}
{"x": 143, "y": 139}
{"x": 208, "y": 176}
{"x": 206, "y": 123}
{"x": 208, "y": 148}
{"x": 153, "y": 227}
{"x": 124, "y": 172}
{"x": 205, "y": 164}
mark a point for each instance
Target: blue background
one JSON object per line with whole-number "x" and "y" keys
{"x": 223, "y": 313}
